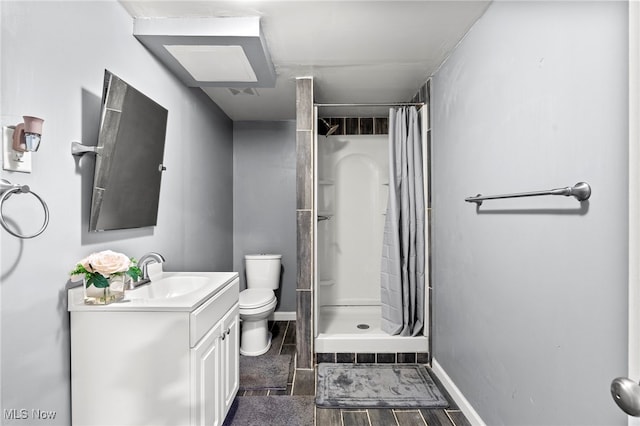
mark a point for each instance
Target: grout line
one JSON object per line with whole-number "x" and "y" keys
{"x": 295, "y": 373}
{"x": 369, "y": 418}
{"x": 284, "y": 336}
{"x": 450, "y": 418}
{"x": 422, "y": 417}
{"x": 395, "y": 417}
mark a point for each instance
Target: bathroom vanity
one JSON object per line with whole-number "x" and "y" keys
{"x": 166, "y": 355}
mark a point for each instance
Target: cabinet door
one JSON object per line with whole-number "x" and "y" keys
{"x": 206, "y": 379}
{"x": 231, "y": 357}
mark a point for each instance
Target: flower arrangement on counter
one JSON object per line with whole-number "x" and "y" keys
{"x": 98, "y": 268}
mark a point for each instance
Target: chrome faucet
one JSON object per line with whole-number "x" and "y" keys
{"x": 145, "y": 260}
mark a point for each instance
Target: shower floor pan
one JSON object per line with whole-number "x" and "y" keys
{"x": 356, "y": 329}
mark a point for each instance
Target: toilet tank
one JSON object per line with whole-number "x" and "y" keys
{"x": 263, "y": 270}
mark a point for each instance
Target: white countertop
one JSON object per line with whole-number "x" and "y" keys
{"x": 133, "y": 302}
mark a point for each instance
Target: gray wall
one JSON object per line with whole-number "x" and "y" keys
{"x": 52, "y": 64}
{"x": 530, "y": 295}
{"x": 264, "y": 199}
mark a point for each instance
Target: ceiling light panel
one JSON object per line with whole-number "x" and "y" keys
{"x": 214, "y": 63}
{"x": 210, "y": 52}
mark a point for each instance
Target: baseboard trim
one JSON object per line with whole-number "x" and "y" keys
{"x": 466, "y": 408}
{"x": 283, "y": 316}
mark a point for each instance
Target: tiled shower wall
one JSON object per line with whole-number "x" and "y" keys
{"x": 305, "y": 225}
{"x": 356, "y": 125}
{"x": 305, "y": 129}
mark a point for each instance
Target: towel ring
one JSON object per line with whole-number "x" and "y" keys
{"x": 8, "y": 189}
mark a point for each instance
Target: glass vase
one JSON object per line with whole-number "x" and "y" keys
{"x": 114, "y": 292}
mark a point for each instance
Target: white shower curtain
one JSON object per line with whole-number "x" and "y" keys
{"x": 403, "y": 251}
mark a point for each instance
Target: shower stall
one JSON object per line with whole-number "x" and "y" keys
{"x": 351, "y": 187}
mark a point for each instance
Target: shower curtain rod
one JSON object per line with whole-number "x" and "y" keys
{"x": 372, "y": 105}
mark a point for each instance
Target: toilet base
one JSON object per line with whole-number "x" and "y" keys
{"x": 255, "y": 339}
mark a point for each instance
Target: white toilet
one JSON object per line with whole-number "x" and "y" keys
{"x": 258, "y": 302}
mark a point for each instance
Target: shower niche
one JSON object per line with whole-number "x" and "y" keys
{"x": 326, "y": 243}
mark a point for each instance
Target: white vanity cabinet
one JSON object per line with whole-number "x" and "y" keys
{"x": 230, "y": 359}
{"x": 144, "y": 363}
{"x": 216, "y": 355}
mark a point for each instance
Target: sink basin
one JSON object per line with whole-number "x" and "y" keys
{"x": 167, "y": 291}
{"x": 171, "y": 286}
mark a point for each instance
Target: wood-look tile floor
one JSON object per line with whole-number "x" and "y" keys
{"x": 302, "y": 382}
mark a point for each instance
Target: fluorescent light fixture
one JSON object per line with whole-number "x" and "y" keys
{"x": 210, "y": 52}
{"x": 214, "y": 63}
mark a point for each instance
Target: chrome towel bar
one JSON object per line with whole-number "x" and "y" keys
{"x": 581, "y": 191}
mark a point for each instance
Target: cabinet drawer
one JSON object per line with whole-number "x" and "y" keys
{"x": 211, "y": 311}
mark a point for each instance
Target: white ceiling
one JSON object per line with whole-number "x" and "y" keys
{"x": 356, "y": 51}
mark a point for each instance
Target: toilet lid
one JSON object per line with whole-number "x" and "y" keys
{"x": 255, "y": 297}
{"x": 262, "y": 256}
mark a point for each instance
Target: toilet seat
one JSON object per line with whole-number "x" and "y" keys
{"x": 252, "y": 298}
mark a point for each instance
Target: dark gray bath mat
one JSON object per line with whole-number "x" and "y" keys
{"x": 271, "y": 411}
{"x": 264, "y": 372}
{"x": 377, "y": 385}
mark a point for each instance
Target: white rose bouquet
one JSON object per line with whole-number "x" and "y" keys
{"x": 97, "y": 268}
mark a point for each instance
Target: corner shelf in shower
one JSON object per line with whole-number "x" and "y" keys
{"x": 327, "y": 282}
{"x": 325, "y": 182}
